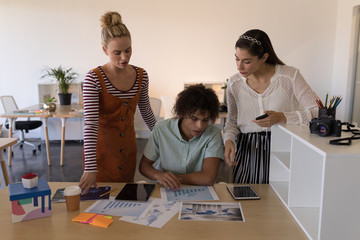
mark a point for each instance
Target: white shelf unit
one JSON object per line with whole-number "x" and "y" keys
{"x": 317, "y": 182}
{"x": 74, "y": 126}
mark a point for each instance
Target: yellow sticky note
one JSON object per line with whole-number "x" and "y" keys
{"x": 101, "y": 221}
{"x": 83, "y": 217}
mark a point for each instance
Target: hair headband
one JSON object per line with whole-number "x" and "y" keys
{"x": 250, "y": 39}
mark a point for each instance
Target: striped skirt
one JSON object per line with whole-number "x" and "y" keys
{"x": 252, "y": 157}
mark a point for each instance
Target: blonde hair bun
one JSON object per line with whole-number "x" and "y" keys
{"x": 112, "y": 26}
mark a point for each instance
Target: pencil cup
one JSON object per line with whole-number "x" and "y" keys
{"x": 72, "y": 196}
{"x": 327, "y": 113}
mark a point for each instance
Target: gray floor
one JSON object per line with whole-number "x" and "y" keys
{"x": 24, "y": 161}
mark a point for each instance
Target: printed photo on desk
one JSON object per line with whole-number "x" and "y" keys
{"x": 211, "y": 211}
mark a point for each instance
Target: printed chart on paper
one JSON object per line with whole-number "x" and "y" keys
{"x": 191, "y": 193}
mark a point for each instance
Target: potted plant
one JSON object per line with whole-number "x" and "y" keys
{"x": 64, "y": 77}
{"x": 49, "y": 103}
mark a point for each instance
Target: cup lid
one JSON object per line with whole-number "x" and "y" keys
{"x": 72, "y": 190}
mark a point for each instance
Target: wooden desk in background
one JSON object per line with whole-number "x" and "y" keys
{"x": 44, "y": 116}
{"x": 222, "y": 116}
{"x": 4, "y": 143}
{"x": 266, "y": 218}
{"x": 62, "y": 111}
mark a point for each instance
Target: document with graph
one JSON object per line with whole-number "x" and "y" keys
{"x": 120, "y": 208}
{"x": 160, "y": 213}
{"x": 211, "y": 211}
{"x": 189, "y": 193}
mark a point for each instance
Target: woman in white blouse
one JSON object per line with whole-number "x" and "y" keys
{"x": 263, "y": 85}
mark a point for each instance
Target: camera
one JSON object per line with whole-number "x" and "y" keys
{"x": 325, "y": 126}
{"x": 223, "y": 108}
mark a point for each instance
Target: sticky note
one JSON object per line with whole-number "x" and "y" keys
{"x": 101, "y": 221}
{"x": 90, "y": 220}
{"x": 83, "y": 217}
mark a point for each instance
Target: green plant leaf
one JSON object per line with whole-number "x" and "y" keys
{"x": 63, "y": 76}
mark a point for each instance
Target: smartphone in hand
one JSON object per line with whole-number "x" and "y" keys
{"x": 262, "y": 116}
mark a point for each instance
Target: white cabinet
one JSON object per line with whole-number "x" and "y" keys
{"x": 51, "y": 90}
{"x": 319, "y": 183}
{"x": 74, "y": 126}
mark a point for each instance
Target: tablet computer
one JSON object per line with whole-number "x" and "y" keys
{"x": 243, "y": 192}
{"x": 135, "y": 192}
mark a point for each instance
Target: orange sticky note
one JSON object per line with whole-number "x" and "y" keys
{"x": 83, "y": 217}
{"x": 101, "y": 221}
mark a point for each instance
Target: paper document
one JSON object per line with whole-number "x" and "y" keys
{"x": 158, "y": 215}
{"x": 191, "y": 193}
{"x": 120, "y": 208}
{"x": 211, "y": 211}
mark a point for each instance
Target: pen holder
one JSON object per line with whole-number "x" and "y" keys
{"x": 327, "y": 113}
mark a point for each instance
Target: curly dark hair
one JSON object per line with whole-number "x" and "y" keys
{"x": 194, "y": 98}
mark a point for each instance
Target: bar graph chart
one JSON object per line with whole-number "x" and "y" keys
{"x": 119, "y": 208}
{"x": 190, "y": 193}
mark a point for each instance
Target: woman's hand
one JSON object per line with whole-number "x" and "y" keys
{"x": 273, "y": 118}
{"x": 229, "y": 153}
{"x": 88, "y": 179}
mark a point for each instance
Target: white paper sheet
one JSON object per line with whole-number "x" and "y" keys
{"x": 158, "y": 215}
{"x": 189, "y": 193}
{"x": 120, "y": 208}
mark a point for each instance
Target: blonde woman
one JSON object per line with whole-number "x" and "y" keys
{"x": 111, "y": 93}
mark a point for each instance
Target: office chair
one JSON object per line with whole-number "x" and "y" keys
{"x": 168, "y": 103}
{"x": 141, "y": 129}
{"x": 10, "y": 106}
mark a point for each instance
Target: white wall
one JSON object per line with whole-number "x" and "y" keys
{"x": 344, "y": 55}
{"x": 175, "y": 41}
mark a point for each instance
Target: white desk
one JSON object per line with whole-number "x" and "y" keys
{"x": 317, "y": 182}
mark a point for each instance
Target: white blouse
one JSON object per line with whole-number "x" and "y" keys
{"x": 288, "y": 92}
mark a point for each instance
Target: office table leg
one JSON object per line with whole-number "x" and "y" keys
{"x": 3, "y": 168}
{"x": 63, "y": 120}
{"x": 11, "y": 123}
{"x": 47, "y": 141}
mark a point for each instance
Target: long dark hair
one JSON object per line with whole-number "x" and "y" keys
{"x": 257, "y": 42}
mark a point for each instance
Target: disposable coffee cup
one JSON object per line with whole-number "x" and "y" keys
{"x": 72, "y": 196}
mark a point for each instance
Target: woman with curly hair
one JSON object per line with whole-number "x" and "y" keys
{"x": 186, "y": 149}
